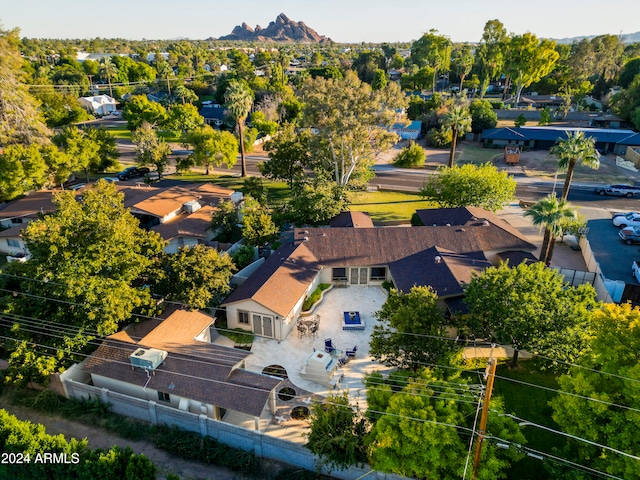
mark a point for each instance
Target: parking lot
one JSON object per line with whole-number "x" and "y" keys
{"x": 615, "y": 258}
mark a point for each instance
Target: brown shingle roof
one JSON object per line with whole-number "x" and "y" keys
{"x": 280, "y": 282}
{"x": 29, "y": 206}
{"x": 352, "y": 219}
{"x": 409, "y": 253}
{"x": 168, "y": 200}
{"x": 193, "y": 225}
{"x": 12, "y": 232}
{"x": 186, "y": 376}
{"x": 198, "y": 370}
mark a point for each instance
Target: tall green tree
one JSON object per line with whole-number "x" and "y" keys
{"x": 462, "y": 61}
{"x": 423, "y": 431}
{"x": 316, "y": 201}
{"x": 432, "y": 50}
{"x": 576, "y": 148}
{"x": 184, "y": 118}
{"x": 150, "y": 148}
{"x": 108, "y": 152}
{"x": 529, "y": 59}
{"x": 224, "y": 221}
{"x": 610, "y": 373}
{"x": 411, "y": 330}
{"x": 337, "y": 432}
{"x": 258, "y": 227}
{"x": 551, "y": 214}
{"x": 458, "y": 121}
{"x": 20, "y": 120}
{"x": 87, "y": 259}
{"x": 470, "y": 185}
{"x": 529, "y": 306}
{"x": 22, "y": 168}
{"x": 483, "y": 116}
{"x": 197, "y": 276}
{"x": 239, "y": 99}
{"x": 490, "y": 54}
{"x": 108, "y": 70}
{"x": 80, "y": 147}
{"x": 352, "y": 121}
{"x": 288, "y": 155}
{"x": 211, "y": 147}
{"x": 139, "y": 109}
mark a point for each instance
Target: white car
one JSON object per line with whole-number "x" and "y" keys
{"x": 631, "y": 219}
{"x": 635, "y": 270}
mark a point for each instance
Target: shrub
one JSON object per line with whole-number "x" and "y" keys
{"x": 411, "y": 157}
{"x": 315, "y": 296}
{"x": 244, "y": 256}
{"x": 439, "y": 138}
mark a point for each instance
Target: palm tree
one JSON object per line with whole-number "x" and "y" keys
{"x": 571, "y": 150}
{"x": 550, "y": 213}
{"x": 458, "y": 120}
{"x": 239, "y": 99}
{"x": 108, "y": 69}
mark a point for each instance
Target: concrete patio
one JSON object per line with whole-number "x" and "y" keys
{"x": 292, "y": 352}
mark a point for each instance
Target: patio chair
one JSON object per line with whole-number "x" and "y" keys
{"x": 302, "y": 330}
{"x": 316, "y": 319}
{"x": 313, "y": 330}
{"x": 343, "y": 361}
{"x": 329, "y": 347}
{"x": 352, "y": 353}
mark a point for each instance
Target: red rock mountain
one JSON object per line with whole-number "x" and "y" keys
{"x": 282, "y": 30}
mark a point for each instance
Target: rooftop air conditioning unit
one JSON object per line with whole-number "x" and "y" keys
{"x": 147, "y": 358}
{"x": 192, "y": 206}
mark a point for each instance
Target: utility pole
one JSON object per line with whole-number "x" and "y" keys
{"x": 489, "y": 376}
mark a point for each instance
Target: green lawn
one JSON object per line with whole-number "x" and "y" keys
{"x": 124, "y": 133}
{"x": 387, "y": 206}
{"x": 532, "y": 404}
{"x": 476, "y": 154}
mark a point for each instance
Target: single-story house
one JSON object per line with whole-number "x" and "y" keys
{"x": 542, "y": 138}
{"x": 174, "y": 364}
{"x": 27, "y": 208}
{"x": 158, "y": 205}
{"x": 187, "y": 229}
{"x": 99, "y": 104}
{"x": 408, "y": 132}
{"x": 11, "y": 242}
{"x": 213, "y": 114}
{"x": 454, "y": 243}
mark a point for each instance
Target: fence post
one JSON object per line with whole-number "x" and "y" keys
{"x": 153, "y": 416}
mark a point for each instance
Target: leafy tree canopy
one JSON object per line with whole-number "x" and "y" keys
{"x": 140, "y": 109}
{"x": 423, "y": 429}
{"x": 470, "y": 185}
{"x": 211, "y": 148}
{"x": 530, "y": 307}
{"x": 151, "y": 149}
{"x": 411, "y": 330}
{"x": 288, "y": 155}
{"x": 612, "y": 374}
{"x": 197, "y": 276}
{"x": 86, "y": 259}
{"x": 316, "y": 201}
{"x": 411, "y": 157}
{"x": 352, "y": 121}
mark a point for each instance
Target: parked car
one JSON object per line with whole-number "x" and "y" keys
{"x": 629, "y": 220}
{"x": 630, "y": 235}
{"x": 618, "y": 190}
{"x": 130, "y": 172}
{"x": 635, "y": 270}
{"x": 623, "y": 214}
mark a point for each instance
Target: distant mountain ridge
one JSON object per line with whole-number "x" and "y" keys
{"x": 282, "y": 30}
{"x": 624, "y": 38}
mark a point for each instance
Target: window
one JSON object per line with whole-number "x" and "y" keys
{"x": 243, "y": 317}
{"x": 339, "y": 274}
{"x": 16, "y": 220}
{"x": 378, "y": 273}
{"x": 13, "y": 243}
{"x": 164, "y": 397}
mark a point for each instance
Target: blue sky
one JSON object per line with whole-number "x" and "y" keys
{"x": 342, "y": 21}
